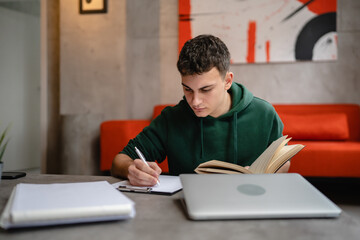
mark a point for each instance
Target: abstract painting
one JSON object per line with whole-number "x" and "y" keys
{"x": 264, "y": 31}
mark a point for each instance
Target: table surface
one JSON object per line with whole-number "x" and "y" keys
{"x": 163, "y": 217}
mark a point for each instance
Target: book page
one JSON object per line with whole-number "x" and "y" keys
{"x": 279, "y": 149}
{"x": 217, "y": 170}
{"x": 262, "y": 162}
{"x": 222, "y": 167}
{"x": 283, "y": 156}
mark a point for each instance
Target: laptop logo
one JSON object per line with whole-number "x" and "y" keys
{"x": 251, "y": 189}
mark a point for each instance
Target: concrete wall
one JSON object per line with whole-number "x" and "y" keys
{"x": 120, "y": 64}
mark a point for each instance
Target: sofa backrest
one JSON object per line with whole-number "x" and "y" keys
{"x": 350, "y": 112}
{"x": 159, "y": 108}
{"x": 114, "y": 136}
{"x": 347, "y": 112}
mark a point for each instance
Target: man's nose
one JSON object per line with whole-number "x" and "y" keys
{"x": 196, "y": 101}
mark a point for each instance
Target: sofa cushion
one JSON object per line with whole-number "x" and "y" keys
{"x": 327, "y": 159}
{"x": 331, "y": 126}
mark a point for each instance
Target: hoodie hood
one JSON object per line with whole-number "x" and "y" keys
{"x": 240, "y": 99}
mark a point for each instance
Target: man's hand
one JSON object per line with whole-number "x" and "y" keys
{"x": 139, "y": 174}
{"x": 284, "y": 168}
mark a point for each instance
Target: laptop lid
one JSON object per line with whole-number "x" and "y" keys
{"x": 251, "y": 196}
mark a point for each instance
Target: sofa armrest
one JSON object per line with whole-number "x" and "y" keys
{"x": 114, "y": 136}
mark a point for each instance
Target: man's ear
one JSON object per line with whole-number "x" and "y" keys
{"x": 228, "y": 80}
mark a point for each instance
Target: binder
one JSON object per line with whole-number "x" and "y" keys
{"x": 33, "y": 205}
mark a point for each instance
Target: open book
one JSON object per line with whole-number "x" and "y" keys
{"x": 276, "y": 155}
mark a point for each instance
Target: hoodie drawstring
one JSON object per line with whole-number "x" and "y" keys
{"x": 235, "y": 137}
{"x": 202, "y": 138}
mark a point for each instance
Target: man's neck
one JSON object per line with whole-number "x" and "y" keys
{"x": 226, "y": 105}
{"x": 228, "y": 102}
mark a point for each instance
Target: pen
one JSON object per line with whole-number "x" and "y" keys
{"x": 141, "y": 156}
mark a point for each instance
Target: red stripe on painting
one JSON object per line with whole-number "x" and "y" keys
{"x": 184, "y": 22}
{"x": 267, "y": 51}
{"x": 321, "y": 6}
{"x": 251, "y": 42}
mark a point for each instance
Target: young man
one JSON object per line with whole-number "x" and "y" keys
{"x": 217, "y": 119}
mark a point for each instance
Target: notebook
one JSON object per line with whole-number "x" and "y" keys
{"x": 64, "y": 203}
{"x": 253, "y": 196}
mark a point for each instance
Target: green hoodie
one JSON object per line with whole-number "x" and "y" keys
{"x": 238, "y": 136}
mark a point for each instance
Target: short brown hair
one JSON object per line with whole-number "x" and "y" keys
{"x": 201, "y": 54}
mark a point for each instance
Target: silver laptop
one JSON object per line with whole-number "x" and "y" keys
{"x": 251, "y": 196}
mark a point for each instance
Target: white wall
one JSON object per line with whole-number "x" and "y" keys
{"x": 20, "y": 87}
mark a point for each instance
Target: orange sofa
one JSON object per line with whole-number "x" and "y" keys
{"x": 331, "y": 133}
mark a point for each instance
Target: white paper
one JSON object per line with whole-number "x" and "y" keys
{"x": 168, "y": 184}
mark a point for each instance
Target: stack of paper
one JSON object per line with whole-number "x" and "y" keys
{"x": 65, "y": 203}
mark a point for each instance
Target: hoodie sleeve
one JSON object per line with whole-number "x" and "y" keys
{"x": 151, "y": 141}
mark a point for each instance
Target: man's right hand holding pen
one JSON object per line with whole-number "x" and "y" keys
{"x": 138, "y": 172}
{"x": 141, "y": 174}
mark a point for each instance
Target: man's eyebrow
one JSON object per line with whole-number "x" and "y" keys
{"x": 185, "y": 85}
{"x": 200, "y": 88}
{"x": 207, "y": 86}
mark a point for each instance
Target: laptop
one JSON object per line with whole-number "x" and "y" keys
{"x": 253, "y": 196}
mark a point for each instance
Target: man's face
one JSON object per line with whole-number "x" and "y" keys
{"x": 207, "y": 93}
